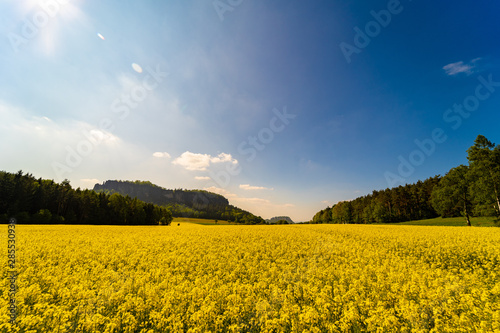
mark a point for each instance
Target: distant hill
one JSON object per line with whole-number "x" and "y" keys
{"x": 182, "y": 203}
{"x": 275, "y": 219}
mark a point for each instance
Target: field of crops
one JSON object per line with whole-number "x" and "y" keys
{"x": 290, "y": 278}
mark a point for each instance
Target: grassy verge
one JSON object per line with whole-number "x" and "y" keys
{"x": 199, "y": 221}
{"x": 454, "y": 222}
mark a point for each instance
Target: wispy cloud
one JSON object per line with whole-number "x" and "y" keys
{"x": 200, "y": 162}
{"x": 202, "y": 178}
{"x": 310, "y": 166}
{"x": 161, "y": 155}
{"x": 248, "y": 187}
{"x": 62, "y": 148}
{"x": 461, "y": 67}
{"x": 263, "y": 203}
{"x": 239, "y": 200}
{"x": 220, "y": 191}
{"x": 259, "y": 201}
{"x": 39, "y": 129}
{"x": 223, "y": 157}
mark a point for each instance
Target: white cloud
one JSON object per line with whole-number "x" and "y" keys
{"x": 200, "y": 162}
{"x": 42, "y": 129}
{"x": 248, "y": 187}
{"x": 234, "y": 197}
{"x": 237, "y": 199}
{"x": 56, "y": 149}
{"x": 461, "y": 67}
{"x": 259, "y": 201}
{"x": 220, "y": 191}
{"x": 192, "y": 161}
{"x": 202, "y": 178}
{"x": 161, "y": 155}
{"x": 223, "y": 157}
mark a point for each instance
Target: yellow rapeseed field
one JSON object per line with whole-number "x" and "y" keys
{"x": 291, "y": 278}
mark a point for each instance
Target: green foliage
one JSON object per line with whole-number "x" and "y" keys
{"x": 482, "y": 221}
{"x": 44, "y": 216}
{"x": 484, "y": 161}
{"x": 403, "y": 203}
{"x": 42, "y": 201}
{"x": 452, "y": 196}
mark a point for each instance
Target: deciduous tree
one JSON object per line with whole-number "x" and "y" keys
{"x": 453, "y": 193}
{"x": 484, "y": 160}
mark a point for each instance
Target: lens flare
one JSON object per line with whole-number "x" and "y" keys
{"x": 137, "y": 68}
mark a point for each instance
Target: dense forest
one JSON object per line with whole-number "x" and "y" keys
{"x": 182, "y": 203}
{"x": 467, "y": 190}
{"x": 42, "y": 201}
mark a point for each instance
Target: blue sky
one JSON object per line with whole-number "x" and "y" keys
{"x": 284, "y": 107}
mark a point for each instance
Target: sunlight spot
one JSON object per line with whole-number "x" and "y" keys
{"x": 101, "y": 36}
{"x": 137, "y": 68}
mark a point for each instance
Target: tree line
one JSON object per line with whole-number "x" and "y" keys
{"x": 42, "y": 201}
{"x": 467, "y": 190}
{"x": 403, "y": 203}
